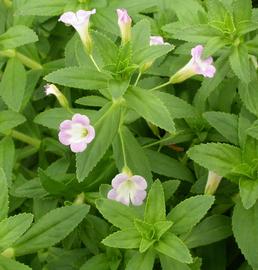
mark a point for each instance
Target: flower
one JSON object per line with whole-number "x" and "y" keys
{"x": 125, "y": 23}
{"x": 196, "y": 66}
{"x": 157, "y": 40}
{"x": 80, "y": 22}
{"x": 212, "y": 183}
{"x": 51, "y": 89}
{"x": 76, "y": 132}
{"x": 128, "y": 188}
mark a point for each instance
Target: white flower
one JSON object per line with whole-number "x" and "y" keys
{"x": 51, "y": 89}
{"x": 128, "y": 188}
{"x": 212, "y": 183}
{"x": 80, "y": 22}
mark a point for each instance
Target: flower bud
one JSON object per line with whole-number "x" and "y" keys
{"x": 125, "y": 23}
{"x": 51, "y": 89}
{"x": 212, "y": 183}
{"x": 196, "y": 66}
{"x": 80, "y": 22}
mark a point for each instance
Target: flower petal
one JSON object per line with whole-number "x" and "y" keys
{"x": 91, "y": 134}
{"x": 78, "y": 146}
{"x": 112, "y": 194}
{"x": 140, "y": 182}
{"x": 66, "y": 124}
{"x": 119, "y": 179}
{"x": 68, "y": 18}
{"x": 196, "y": 52}
{"x": 138, "y": 197}
{"x": 81, "y": 119}
{"x": 64, "y": 138}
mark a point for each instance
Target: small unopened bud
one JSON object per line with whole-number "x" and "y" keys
{"x": 125, "y": 25}
{"x": 51, "y": 89}
{"x": 212, "y": 183}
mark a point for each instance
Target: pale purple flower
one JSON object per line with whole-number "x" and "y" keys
{"x": 128, "y": 188}
{"x": 77, "y": 133}
{"x": 157, "y": 40}
{"x": 212, "y": 183}
{"x": 125, "y": 23}
{"x": 80, "y": 22}
{"x": 196, "y": 66}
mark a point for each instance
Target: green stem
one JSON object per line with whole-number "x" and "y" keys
{"x": 94, "y": 62}
{"x": 138, "y": 78}
{"x": 158, "y": 142}
{"x": 123, "y": 147}
{"x": 160, "y": 86}
{"x": 25, "y": 138}
{"x": 28, "y": 62}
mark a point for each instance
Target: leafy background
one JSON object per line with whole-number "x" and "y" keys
{"x": 53, "y": 208}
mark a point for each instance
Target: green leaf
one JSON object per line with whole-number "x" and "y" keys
{"x": 214, "y": 44}
{"x": 4, "y": 199}
{"x": 117, "y": 88}
{"x": 212, "y": 229}
{"x": 129, "y": 238}
{"x": 106, "y": 47}
{"x": 140, "y": 261}
{"x": 155, "y": 206}
{"x": 98, "y": 262}
{"x": 173, "y": 247}
{"x": 150, "y": 107}
{"x": 7, "y": 157}
{"x": 245, "y": 229}
{"x": 139, "y": 163}
{"x": 162, "y": 227}
{"x": 253, "y": 130}
{"x": 218, "y": 157}
{"x": 117, "y": 213}
{"x": 17, "y": 36}
{"x": 177, "y": 107}
{"x": 50, "y": 229}
{"x": 43, "y": 7}
{"x": 239, "y": 62}
{"x": 168, "y": 262}
{"x": 12, "y": 228}
{"x": 79, "y": 77}
{"x": 242, "y": 10}
{"x": 13, "y": 84}
{"x": 248, "y": 192}
{"x": 151, "y": 53}
{"x": 9, "y": 264}
{"x": 249, "y": 96}
{"x": 10, "y": 119}
{"x": 224, "y": 123}
{"x": 189, "y": 212}
{"x": 184, "y": 9}
{"x": 168, "y": 166}
{"x": 106, "y": 127}
{"x": 146, "y": 230}
{"x": 94, "y": 101}
{"x": 141, "y": 35}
